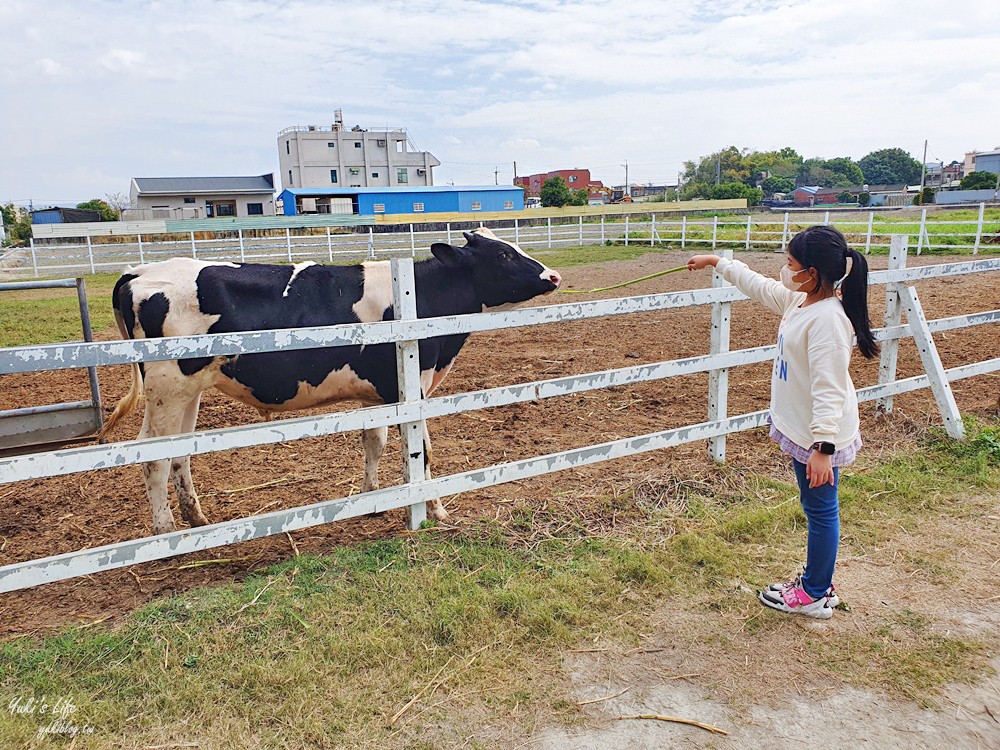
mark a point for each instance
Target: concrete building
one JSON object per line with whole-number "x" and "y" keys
{"x": 373, "y": 201}
{"x": 576, "y": 179}
{"x": 200, "y": 197}
{"x": 319, "y": 156}
{"x": 982, "y": 161}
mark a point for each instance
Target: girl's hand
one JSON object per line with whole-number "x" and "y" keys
{"x": 819, "y": 469}
{"x": 698, "y": 262}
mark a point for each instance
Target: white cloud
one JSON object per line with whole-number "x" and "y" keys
{"x": 118, "y": 60}
{"x": 50, "y": 67}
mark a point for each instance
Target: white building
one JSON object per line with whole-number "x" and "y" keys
{"x": 200, "y": 197}
{"x": 319, "y": 156}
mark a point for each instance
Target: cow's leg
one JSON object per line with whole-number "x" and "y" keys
{"x": 168, "y": 394}
{"x": 373, "y": 441}
{"x": 180, "y": 472}
{"x": 435, "y": 508}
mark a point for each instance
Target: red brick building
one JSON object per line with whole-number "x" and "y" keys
{"x": 576, "y": 179}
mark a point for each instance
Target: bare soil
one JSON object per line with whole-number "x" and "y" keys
{"x": 52, "y": 516}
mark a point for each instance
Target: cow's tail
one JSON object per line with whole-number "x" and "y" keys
{"x": 130, "y": 400}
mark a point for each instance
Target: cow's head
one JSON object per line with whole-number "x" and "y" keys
{"x": 501, "y": 271}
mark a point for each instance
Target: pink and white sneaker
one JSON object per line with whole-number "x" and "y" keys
{"x": 831, "y": 593}
{"x": 794, "y": 600}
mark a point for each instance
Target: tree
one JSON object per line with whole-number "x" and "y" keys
{"x": 890, "y": 166}
{"x": 96, "y": 204}
{"x": 924, "y": 197}
{"x": 729, "y": 190}
{"x": 118, "y": 201}
{"x": 844, "y": 197}
{"x": 864, "y": 198}
{"x": 978, "y": 181}
{"x": 555, "y": 192}
{"x": 16, "y": 223}
{"x": 775, "y": 184}
{"x": 579, "y": 198}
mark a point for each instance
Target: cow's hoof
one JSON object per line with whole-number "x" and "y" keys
{"x": 439, "y": 514}
{"x": 198, "y": 520}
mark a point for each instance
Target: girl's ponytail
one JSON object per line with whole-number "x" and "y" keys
{"x": 855, "y": 296}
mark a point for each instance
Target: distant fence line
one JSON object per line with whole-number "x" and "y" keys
{"x": 334, "y": 244}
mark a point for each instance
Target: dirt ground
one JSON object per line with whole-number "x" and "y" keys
{"x": 62, "y": 514}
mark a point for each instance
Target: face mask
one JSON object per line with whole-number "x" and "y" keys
{"x": 786, "y": 279}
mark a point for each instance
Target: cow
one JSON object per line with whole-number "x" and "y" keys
{"x": 183, "y": 296}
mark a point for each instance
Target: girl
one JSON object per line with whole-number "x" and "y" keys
{"x": 822, "y": 299}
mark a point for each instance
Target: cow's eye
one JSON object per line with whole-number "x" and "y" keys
{"x": 505, "y": 255}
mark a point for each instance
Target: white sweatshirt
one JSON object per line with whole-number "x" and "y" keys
{"x": 812, "y": 396}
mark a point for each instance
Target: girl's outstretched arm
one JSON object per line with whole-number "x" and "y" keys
{"x": 768, "y": 292}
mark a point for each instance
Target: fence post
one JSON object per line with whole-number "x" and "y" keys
{"x": 684, "y": 231}
{"x": 404, "y": 305}
{"x": 194, "y": 248}
{"x": 626, "y": 230}
{"x": 243, "y": 251}
{"x": 602, "y": 229}
{"x": 413, "y": 244}
{"x": 34, "y": 260}
{"x": 748, "y": 232}
{"x": 90, "y": 255}
{"x": 868, "y": 237}
{"x": 938, "y": 378}
{"x": 371, "y": 243}
{"x": 893, "y": 317}
{"x": 581, "y": 230}
{"x": 784, "y": 233}
{"x": 550, "y": 231}
{"x": 448, "y": 227}
{"x": 923, "y": 231}
{"x": 142, "y": 258}
{"x": 979, "y": 229}
{"x": 329, "y": 244}
{"x": 517, "y": 233}
{"x": 715, "y": 232}
{"x": 652, "y": 229}
{"x": 718, "y": 380}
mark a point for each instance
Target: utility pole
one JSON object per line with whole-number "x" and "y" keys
{"x": 626, "y": 191}
{"x": 923, "y": 171}
{"x": 515, "y": 172}
{"x": 496, "y": 175}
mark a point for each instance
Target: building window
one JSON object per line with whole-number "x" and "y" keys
{"x": 399, "y": 147}
{"x": 333, "y": 176}
{"x": 381, "y": 143}
{"x": 289, "y": 178}
{"x": 418, "y": 208}
{"x": 374, "y": 174}
{"x": 288, "y": 147}
{"x": 355, "y": 170}
{"x": 477, "y": 206}
{"x": 331, "y": 144}
{"x": 379, "y": 208}
{"x": 255, "y": 209}
{"x": 402, "y": 176}
{"x": 225, "y": 209}
{"x": 189, "y": 199}
{"x": 508, "y": 204}
{"x": 357, "y": 144}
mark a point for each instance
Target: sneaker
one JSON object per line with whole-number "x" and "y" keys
{"x": 831, "y": 593}
{"x": 794, "y": 600}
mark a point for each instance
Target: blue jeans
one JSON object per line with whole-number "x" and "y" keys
{"x": 823, "y": 516}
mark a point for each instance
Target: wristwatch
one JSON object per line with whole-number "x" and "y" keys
{"x": 827, "y": 449}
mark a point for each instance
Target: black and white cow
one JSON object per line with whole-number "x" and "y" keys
{"x": 182, "y": 297}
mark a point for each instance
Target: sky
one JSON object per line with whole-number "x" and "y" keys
{"x": 97, "y": 92}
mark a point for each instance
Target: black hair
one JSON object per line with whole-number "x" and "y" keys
{"x": 825, "y": 249}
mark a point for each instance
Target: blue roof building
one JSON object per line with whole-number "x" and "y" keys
{"x": 414, "y": 200}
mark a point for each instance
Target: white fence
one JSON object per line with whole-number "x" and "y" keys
{"x": 412, "y": 410}
{"x": 332, "y": 244}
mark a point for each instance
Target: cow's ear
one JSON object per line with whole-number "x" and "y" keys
{"x": 456, "y": 257}
{"x": 471, "y": 238}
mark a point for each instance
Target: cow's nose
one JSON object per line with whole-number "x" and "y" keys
{"x": 554, "y": 277}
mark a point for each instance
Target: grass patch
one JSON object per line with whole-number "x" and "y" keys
{"x": 45, "y": 316}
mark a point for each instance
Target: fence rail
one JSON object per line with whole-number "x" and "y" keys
{"x": 413, "y": 410}
{"x": 334, "y": 244}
